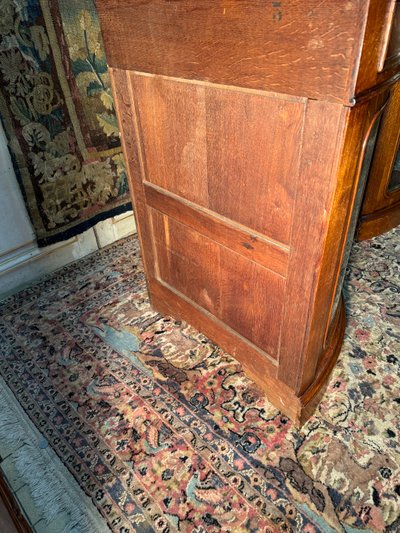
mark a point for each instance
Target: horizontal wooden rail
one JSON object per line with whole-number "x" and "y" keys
{"x": 249, "y": 244}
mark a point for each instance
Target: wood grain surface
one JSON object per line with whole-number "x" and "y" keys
{"x": 244, "y": 126}
{"x": 307, "y": 48}
{"x": 249, "y": 244}
{"x": 239, "y": 292}
{"x": 217, "y": 147}
{"x": 381, "y": 205}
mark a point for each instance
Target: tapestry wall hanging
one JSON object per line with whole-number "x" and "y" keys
{"x": 58, "y": 112}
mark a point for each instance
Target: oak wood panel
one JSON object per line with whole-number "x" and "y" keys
{"x": 306, "y": 227}
{"x": 173, "y": 132}
{"x": 324, "y": 127}
{"x": 377, "y": 195}
{"x": 168, "y": 300}
{"x": 216, "y": 147}
{"x": 181, "y": 255}
{"x": 304, "y": 48}
{"x": 379, "y": 222}
{"x": 253, "y": 246}
{"x": 353, "y": 141}
{"x": 260, "y": 369}
{"x": 251, "y": 178}
{"x": 375, "y": 67}
{"x": 213, "y": 276}
{"x": 381, "y": 204}
{"x": 130, "y": 140}
{"x": 357, "y": 147}
{"x": 331, "y": 216}
{"x": 257, "y": 313}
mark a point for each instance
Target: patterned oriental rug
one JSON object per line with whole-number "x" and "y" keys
{"x": 163, "y": 432}
{"x": 58, "y": 113}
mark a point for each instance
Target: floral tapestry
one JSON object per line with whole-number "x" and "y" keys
{"x": 58, "y": 112}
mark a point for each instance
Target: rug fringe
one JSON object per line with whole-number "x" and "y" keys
{"x": 43, "y": 472}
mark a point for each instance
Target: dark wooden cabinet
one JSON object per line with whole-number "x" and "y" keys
{"x": 248, "y": 129}
{"x": 380, "y": 210}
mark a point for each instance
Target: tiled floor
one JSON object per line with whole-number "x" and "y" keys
{"x": 26, "y": 458}
{"x": 6, "y": 523}
{"x": 23, "y": 497}
{"x": 18, "y": 490}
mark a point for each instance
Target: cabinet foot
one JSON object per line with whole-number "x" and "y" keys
{"x": 258, "y": 367}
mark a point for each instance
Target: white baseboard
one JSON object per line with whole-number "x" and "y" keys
{"x": 20, "y": 254}
{"x": 22, "y": 266}
{"x": 113, "y": 229}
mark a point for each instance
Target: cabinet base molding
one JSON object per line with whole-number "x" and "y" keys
{"x": 379, "y": 222}
{"x": 256, "y": 363}
{"x": 309, "y": 400}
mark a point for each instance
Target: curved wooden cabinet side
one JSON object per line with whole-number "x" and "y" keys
{"x": 381, "y": 206}
{"x": 244, "y": 156}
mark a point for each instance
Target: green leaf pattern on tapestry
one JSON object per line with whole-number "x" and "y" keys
{"x": 41, "y": 41}
{"x": 55, "y": 88}
{"x": 90, "y": 69}
{"x": 108, "y": 122}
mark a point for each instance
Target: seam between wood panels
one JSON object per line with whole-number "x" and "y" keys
{"x": 225, "y": 247}
{"x": 237, "y": 225}
{"x": 226, "y": 87}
